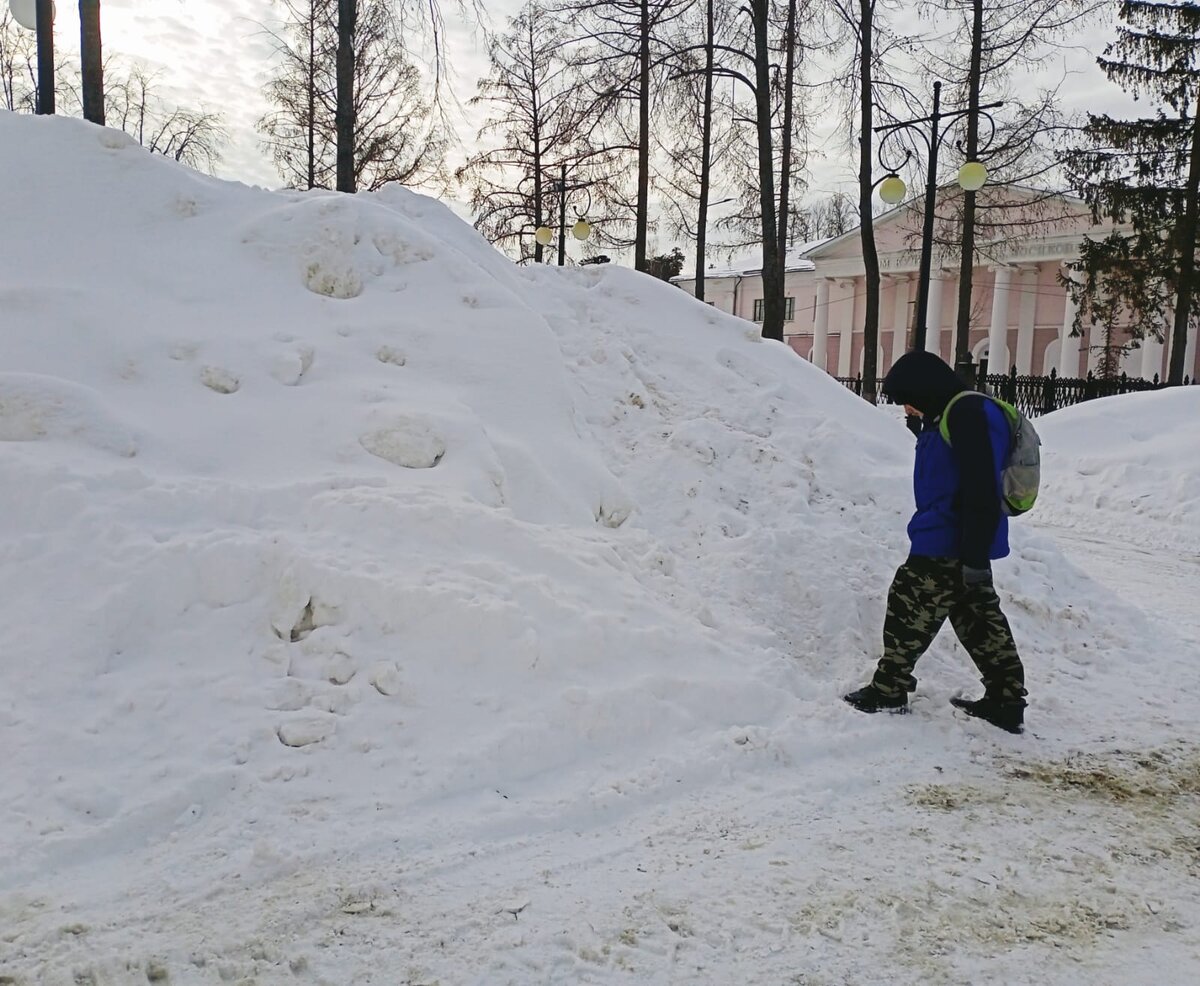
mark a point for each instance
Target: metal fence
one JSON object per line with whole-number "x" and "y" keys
{"x": 1041, "y": 395}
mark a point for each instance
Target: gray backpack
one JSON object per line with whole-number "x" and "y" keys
{"x": 1022, "y": 472}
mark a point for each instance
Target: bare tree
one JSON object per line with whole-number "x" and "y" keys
{"x": 396, "y": 136}
{"x": 626, "y": 55}
{"x": 698, "y": 135}
{"x": 193, "y": 137}
{"x": 1005, "y": 42}
{"x": 297, "y": 138}
{"x": 871, "y": 45}
{"x": 539, "y": 122}
{"x": 765, "y": 59}
{"x": 18, "y": 65}
{"x": 829, "y": 217}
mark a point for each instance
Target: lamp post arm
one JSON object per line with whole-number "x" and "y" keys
{"x": 881, "y": 155}
{"x": 936, "y": 117}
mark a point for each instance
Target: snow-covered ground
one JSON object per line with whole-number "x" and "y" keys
{"x": 381, "y": 612}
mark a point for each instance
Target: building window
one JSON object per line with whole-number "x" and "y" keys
{"x": 789, "y": 309}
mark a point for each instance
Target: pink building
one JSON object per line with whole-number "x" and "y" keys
{"x": 1021, "y": 315}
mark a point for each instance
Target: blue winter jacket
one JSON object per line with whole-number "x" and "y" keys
{"x": 957, "y": 486}
{"x": 940, "y": 526}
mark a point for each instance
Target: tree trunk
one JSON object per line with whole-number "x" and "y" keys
{"x": 345, "y": 116}
{"x": 45, "y": 46}
{"x": 785, "y": 150}
{"x": 92, "y": 61}
{"x": 705, "y": 150}
{"x": 865, "y": 187}
{"x": 643, "y": 197}
{"x": 538, "y": 219}
{"x": 772, "y": 278}
{"x": 562, "y": 216}
{"x": 1186, "y": 239}
{"x": 966, "y": 266}
{"x": 312, "y": 94}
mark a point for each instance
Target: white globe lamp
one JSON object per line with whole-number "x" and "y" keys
{"x": 544, "y": 235}
{"x": 25, "y": 13}
{"x": 892, "y": 190}
{"x": 972, "y": 176}
{"x": 581, "y": 230}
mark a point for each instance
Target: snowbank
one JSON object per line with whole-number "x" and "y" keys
{"x": 1133, "y": 459}
{"x": 333, "y": 542}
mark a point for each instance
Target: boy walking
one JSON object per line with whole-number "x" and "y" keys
{"x": 957, "y": 530}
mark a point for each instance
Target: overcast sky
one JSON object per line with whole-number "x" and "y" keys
{"x": 212, "y": 53}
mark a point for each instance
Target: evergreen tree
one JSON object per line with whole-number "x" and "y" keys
{"x": 666, "y": 265}
{"x": 1144, "y": 175}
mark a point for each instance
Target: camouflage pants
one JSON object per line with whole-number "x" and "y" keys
{"x": 924, "y": 593}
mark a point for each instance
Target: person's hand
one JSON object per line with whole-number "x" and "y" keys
{"x": 976, "y": 576}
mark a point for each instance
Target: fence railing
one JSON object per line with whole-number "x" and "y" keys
{"x": 1041, "y": 395}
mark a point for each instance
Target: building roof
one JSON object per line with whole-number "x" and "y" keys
{"x": 796, "y": 260}
{"x": 916, "y": 205}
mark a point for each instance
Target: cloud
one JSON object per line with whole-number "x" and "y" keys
{"x": 208, "y": 54}
{"x": 214, "y": 54}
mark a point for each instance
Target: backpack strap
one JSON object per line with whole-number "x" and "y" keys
{"x": 1010, "y": 413}
{"x": 944, "y": 420}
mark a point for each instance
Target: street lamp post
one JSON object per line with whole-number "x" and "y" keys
{"x": 38, "y": 15}
{"x": 972, "y": 176}
{"x": 702, "y": 245}
{"x": 581, "y": 229}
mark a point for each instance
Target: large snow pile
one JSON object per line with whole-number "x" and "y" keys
{"x": 1134, "y": 459}
{"x": 350, "y": 571}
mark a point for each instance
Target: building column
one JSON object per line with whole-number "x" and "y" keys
{"x": 1068, "y": 350}
{"x": 933, "y": 317}
{"x": 998, "y": 361}
{"x": 846, "y": 344}
{"x": 1027, "y": 320}
{"x": 900, "y": 319}
{"x": 950, "y": 319}
{"x": 820, "y": 353}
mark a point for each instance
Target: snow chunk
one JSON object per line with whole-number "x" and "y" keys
{"x": 409, "y": 442}
{"x": 333, "y": 279}
{"x": 387, "y": 354}
{"x": 220, "y": 380}
{"x": 386, "y": 678}
{"x": 116, "y": 140}
{"x": 289, "y": 368}
{"x": 306, "y": 728}
{"x": 35, "y": 407}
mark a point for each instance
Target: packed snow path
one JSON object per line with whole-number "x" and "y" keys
{"x": 1163, "y": 583}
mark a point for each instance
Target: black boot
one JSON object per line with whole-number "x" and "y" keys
{"x": 871, "y": 699}
{"x": 1009, "y": 716}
